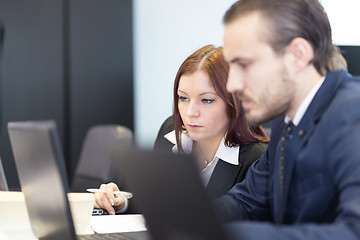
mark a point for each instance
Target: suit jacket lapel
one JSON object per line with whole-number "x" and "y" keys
{"x": 306, "y": 127}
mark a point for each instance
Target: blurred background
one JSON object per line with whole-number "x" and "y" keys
{"x": 88, "y": 62}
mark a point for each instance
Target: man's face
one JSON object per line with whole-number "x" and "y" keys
{"x": 257, "y": 74}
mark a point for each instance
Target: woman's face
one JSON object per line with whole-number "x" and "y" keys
{"x": 202, "y": 110}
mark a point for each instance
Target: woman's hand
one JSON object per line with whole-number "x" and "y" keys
{"x": 108, "y": 200}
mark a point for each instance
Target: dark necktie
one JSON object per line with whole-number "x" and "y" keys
{"x": 284, "y": 137}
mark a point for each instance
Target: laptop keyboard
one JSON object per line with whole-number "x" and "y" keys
{"x": 110, "y": 236}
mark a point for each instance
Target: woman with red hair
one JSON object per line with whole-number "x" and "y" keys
{"x": 208, "y": 120}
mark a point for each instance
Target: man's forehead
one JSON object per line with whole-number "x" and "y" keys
{"x": 242, "y": 33}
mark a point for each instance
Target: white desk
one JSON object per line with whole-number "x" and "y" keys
{"x": 100, "y": 224}
{"x": 15, "y": 223}
{"x": 17, "y": 234}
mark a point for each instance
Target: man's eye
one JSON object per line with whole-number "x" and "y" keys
{"x": 183, "y": 99}
{"x": 207, "y": 101}
{"x": 244, "y": 65}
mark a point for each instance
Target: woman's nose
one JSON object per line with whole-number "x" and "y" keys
{"x": 193, "y": 109}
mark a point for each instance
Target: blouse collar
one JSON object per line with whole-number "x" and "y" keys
{"x": 225, "y": 153}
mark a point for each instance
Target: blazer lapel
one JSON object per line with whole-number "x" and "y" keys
{"x": 222, "y": 179}
{"x": 307, "y": 125}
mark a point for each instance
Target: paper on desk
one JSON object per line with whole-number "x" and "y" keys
{"x": 118, "y": 223}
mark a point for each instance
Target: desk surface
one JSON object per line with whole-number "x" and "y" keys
{"x": 100, "y": 224}
{"x": 15, "y": 223}
{"x": 16, "y": 234}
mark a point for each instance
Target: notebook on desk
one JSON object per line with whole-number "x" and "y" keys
{"x": 41, "y": 169}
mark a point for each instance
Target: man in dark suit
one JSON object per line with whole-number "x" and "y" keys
{"x": 284, "y": 66}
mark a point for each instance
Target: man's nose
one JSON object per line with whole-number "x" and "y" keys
{"x": 235, "y": 81}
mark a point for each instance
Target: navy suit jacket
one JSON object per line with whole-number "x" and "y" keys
{"x": 225, "y": 175}
{"x": 321, "y": 174}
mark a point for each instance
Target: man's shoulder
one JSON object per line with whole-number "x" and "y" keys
{"x": 349, "y": 89}
{"x": 347, "y": 82}
{"x": 339, "y": 91}
{"x": 343, "y": 107}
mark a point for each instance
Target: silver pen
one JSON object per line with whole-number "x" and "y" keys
{"x": 127, "y": 195}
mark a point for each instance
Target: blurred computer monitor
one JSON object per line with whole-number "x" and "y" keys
{"x": 352, "y": 55}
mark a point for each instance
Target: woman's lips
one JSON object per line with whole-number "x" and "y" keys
{"x": 192, "y": 126}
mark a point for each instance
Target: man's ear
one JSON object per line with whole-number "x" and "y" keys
{"x": 301, "y": 51}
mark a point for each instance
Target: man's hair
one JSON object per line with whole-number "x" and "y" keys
{"x": 210, "y": 60}
{"x": 287, "y": 19}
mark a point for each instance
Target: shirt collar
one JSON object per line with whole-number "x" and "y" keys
{"x": 305, "y": 103}
{"x": 225, "y": 153}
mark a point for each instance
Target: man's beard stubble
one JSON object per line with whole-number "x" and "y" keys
{"x": 269, "y": 114}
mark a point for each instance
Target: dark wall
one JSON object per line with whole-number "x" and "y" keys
{"x": 101, "y": 66}
{"x": 67, "y": 60}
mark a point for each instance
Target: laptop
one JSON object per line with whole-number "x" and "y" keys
{"x": 41, "y": 169}
{"x": 169, "y": 192}
{"x": 3, "y": 183}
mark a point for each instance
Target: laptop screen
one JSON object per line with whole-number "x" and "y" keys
{"x": 3, "y": 183}
{"x": 169, "y": 192}
{"x": 41, "y": 170}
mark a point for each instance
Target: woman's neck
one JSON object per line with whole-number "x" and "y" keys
{"x": 205, "y": 151}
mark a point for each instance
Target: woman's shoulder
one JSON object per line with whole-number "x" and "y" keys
{"x": 167, "y": 126}
{"x": 258, "y": 146}
{"x": 253, "y": 147}
{"x": 161, "y": 142}
{"x": 252, "y": 151}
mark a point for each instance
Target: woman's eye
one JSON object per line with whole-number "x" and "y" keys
{"x": 207, "y": 101}
{"x": 183, "y": 99}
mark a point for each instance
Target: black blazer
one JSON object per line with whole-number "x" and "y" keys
{"x": 225, "y": 175}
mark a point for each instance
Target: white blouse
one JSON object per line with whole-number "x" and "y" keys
{"x": 224, "y": 153}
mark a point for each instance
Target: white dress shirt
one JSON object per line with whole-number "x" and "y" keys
{"x": 305, "y": 103}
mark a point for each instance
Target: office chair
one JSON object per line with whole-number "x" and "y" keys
{"x": 97, "y": 154}
{"x": 161, "y": 144}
